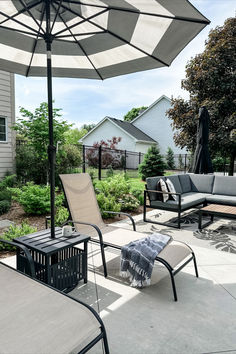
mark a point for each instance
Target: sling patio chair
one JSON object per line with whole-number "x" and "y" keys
{"x": 36, "y": 318}
{"x": 86, "y": 217}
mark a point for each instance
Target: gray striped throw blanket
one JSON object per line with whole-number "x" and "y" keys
{"x": 137, "y": 258}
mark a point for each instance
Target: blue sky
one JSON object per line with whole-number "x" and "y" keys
{"x": 89, "y": 101}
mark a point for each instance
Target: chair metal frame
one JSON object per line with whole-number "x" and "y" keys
{"x": 101, "y": 336}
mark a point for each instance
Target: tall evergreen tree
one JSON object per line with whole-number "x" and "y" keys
{"x": 170, "y": 159}
{"x": 153, "y": 163}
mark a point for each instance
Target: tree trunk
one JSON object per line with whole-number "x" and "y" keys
{"x": 231, "y": 163}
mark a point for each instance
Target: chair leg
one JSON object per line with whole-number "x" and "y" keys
{"x": 179, "y": 219}
{"x": 103, "y": 260}
{"x": 195, "y": 265}
{"x": 173, "y": 286}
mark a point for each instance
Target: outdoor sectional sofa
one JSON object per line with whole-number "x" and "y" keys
{"x": 191, "y": 190}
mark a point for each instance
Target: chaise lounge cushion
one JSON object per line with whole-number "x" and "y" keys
{"x": 185, "y": 183}
{"x": 188, "y": 200}
{"x": 202, "y": 183}
{"x": 225, "y": 185}
{"x": 221, "y": 199}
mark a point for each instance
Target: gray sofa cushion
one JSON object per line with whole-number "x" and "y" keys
{"x": 152, "y": 184}
{"x": 185, "y": 183}
{"x": 225, "y": 185}
{"x": 188, "y": 200}
{"x": 202, "y": 183}
{"x": 221, "y": 199}
{"x": 175, "y": 180}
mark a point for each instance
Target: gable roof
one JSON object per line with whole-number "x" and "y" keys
{"x": 127, "y": 127}
{"x": 150, "y": 107}
{"x": 132, "y": 130}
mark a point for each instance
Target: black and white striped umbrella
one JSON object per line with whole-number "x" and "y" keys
{"x": 94, "y": 39}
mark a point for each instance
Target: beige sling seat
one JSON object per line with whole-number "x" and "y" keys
{"x": 86, "y": 216}
{"x": 36, "y": 318}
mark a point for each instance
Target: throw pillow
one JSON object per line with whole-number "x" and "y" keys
{"x": 171, "y": 189}
{"x": 164, "y": 189}
{"x": 159, "y": 196}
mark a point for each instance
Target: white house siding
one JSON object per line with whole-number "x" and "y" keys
{"x": 156, "y": 124}
{"x": 108, "y": 130}
{"x": 7, "y": 109}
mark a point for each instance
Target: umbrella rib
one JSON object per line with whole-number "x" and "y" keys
{"x": 20, "y": 31}
{"x": 32, "y": 16}
{"x": 57, "y": 12}
{"x": 81, "y": 34}
{"x": 35, "y": 43}
{"x": 78, "y": 23}
{"x": 118, "y": 37}
{"x": 81, "y": 47}
{"x": 19, "y": 22}
{"x": 116, "y": 8}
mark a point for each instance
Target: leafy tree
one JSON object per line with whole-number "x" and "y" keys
{"x": 153, "y": 163}
{"x": 170, "y": 159}
{"x": 133, "y": 113}
{"x": 88, "y": 127}
{"x": 72, "y": 136}
{"x": 33, "y": 128}
{"x": 211, "y": 82}
{"x": 111, "y": 157}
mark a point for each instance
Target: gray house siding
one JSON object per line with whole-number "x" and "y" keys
{"x": 7, "y": 118}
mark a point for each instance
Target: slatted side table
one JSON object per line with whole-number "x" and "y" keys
{"x": 224, "y": 211}
{"x": 57, "y": 261}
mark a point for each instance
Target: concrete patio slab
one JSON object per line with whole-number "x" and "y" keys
{"x": 143, "y": 321}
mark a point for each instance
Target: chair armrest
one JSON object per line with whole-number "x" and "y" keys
{"x": 87, "y": 223}
{"x": 146, "y": 192}
{"x": 121, "y": 213}
{"x": 27, "y": 254}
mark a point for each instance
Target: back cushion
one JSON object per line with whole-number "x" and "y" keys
{"x": 202, "y": 183}
{"x": 225, "y": 185}
{"x": 185, "y": 183}
{"x": 175, "y": 180}
{"x": 152, "y": 184}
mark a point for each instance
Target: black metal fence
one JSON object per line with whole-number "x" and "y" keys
{"x": 102, "y": 161}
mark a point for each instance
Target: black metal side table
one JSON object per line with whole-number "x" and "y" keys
{"x": 57, "y": 262}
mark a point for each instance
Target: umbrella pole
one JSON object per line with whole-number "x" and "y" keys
{"x": 51, "y": 147}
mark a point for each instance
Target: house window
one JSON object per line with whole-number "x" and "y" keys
{"x": 3, "y": 129}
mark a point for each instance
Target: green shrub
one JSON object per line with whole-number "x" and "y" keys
{"x": 8, "y": 181}
{"x": 153, "y": 164}
{"x": 138, "y": 193}
{"x": 115, "y": 186}
{"x": 61, "y": 216}
{"x": 219, "y": 164}
{"x": 128, "y": 202}
{"x": 114, "y": 194}
{"x": 35, "y": 199}
{"x": 4, "y": 206}
{"x": 29, "y": 166}
{"x": 5, "y": 195}
{"x": 107, "y": 203}
{"x": 15, "y": 231}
